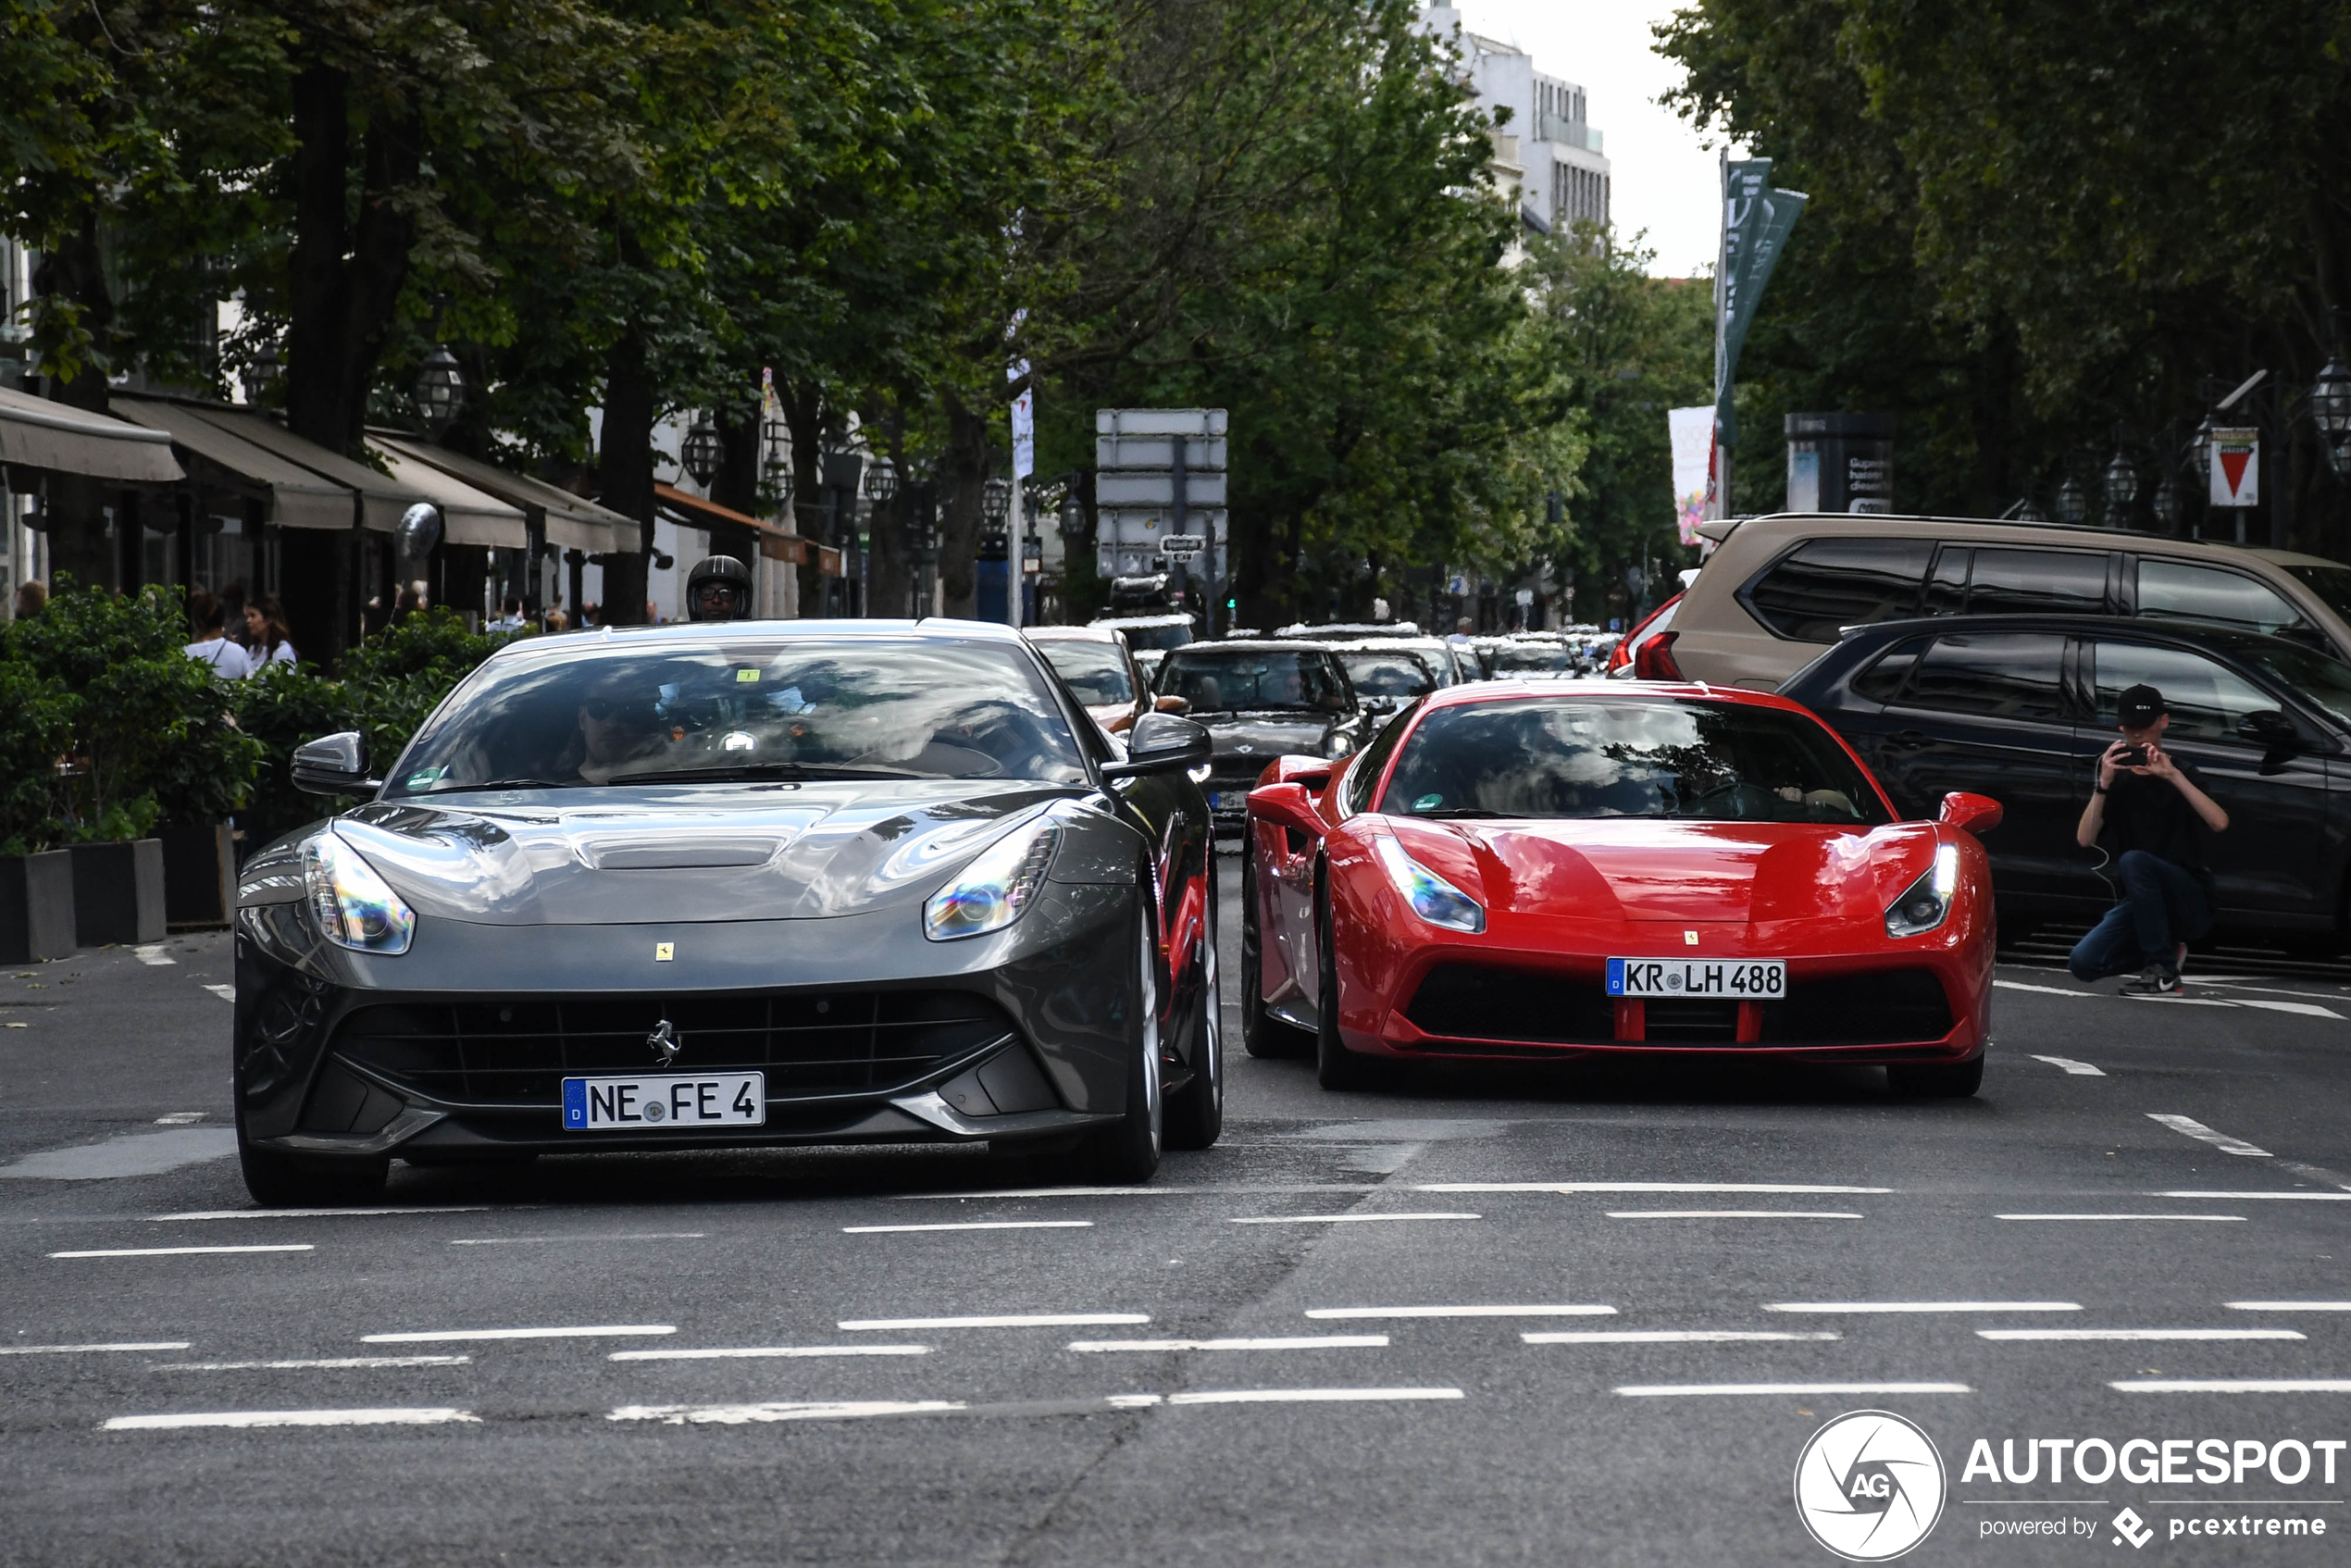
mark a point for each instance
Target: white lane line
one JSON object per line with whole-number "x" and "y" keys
{"x": 2299, "y": 1197}
{"x": 179, "y": 1119}
{"x": 741, "y": 1415}
{"x": 1049, "y": 1192}
{"x": 2306, "y": 1009}
{"x": 2208, "y": 1218}
{"x": 2083, "y": 1334}
{"x": 422, "y": 1416}
{"x": 1004, "y": 1320}
{"x": 2288, "y": 1306}
{"x": 1728, "y": 1214}
{"x": 1307, "y": 1396}
{"x": 1780, "y": 1188}
{"x": 1669, "y": 1390}
{"x": 226, "y": 993}
{"x": 151, "y": 952}
{"x": 766, "y": 1352}
{"x": 2079, "y": 1069}
{"x": 85, "y": 1349}
{"x": 185, "y": 1252}
{"x": 1673, "y": 1336}
{"x": 325, "y": 1363}
{"x": 316, "y": 1213}
{"x": 1924, "y": 1307}
{"x": 2180, "y": 1001}
{"x": 449, "y": 1336}
{"x": 1292, "y": 1342}
{"x": 968, "y": 1225}
{"x": 1343, "y": 1219}
{"x": 615, "y": 1236}
{"x": 2044, "y": 990}
{"x": 1329, "y": 1312}
{"x": 2190, "y": 1127}
{"x": 2232, "y": 1386}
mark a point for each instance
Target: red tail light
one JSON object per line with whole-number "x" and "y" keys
{"x": 1653, "y": 660}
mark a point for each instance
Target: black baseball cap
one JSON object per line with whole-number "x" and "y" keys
{"x": 2140, "y": 706}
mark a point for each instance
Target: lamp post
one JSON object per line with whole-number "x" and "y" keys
{"x": 2072, "y": 502}
{"x": 882, "y": 481}
{"x": 2331, "y": 412}
{"x": 2167, "y": 505}
{"x": 2121, "y": 488}
{"x": 439, "y": 391}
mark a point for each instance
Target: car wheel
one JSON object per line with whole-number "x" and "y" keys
{"x": 1128, "y": 1150}
{"x": 1196, "y": 1111}
{"x": 1263, "y": 1035}
{"x": 1335, "y": 1065}
{"x": 1921, "y": 1082}
{"x": 287, "y": 1181}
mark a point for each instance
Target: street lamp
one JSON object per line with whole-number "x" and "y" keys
{"x": 1073, "y": 515}
{"x": 441, "y": 389}
{"x": 2330, "y": 411}
{"x": 2167, "y": 505}
{"x": 995, "y": 502}
{"x": 882, "y": 481}
{"x": 2121, "y": 487}
{"x": 261, "y": 373}
{"x": 701, "y": 453}
{"x": 2072, "y": 502}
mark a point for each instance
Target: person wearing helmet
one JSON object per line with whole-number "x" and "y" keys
{"x": 719, "y": 588}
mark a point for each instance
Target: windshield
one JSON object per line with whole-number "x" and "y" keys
{"x": 2313, "y": 676}
{"x": 1382, "y": 674}
{"x": 2331, "y": 583}
{"x": 1171, "y": 636}
{"x": 1227, "y": 680}
{"x": 1557, "y": 757}
{"x": 795, "y": 708}
{"x": 1533, "y": 656}
{"x": 1096, "y": 671}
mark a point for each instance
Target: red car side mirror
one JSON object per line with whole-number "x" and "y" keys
{"x": 1969, "y": 813}
{"x": 1286, "y": 806}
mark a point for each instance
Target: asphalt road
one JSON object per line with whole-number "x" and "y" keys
{"x": 772, "y": 1358}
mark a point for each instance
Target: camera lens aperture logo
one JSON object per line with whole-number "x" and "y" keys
{"x": 1869, "y": 1486}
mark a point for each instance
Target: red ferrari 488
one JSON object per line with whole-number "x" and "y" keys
{"x": 1546, "y": 872}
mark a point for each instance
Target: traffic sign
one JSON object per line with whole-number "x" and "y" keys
{"x": 1182, "y": 546}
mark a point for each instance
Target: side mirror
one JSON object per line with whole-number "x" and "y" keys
{"x": 1162, "y": 743}
{"x": 1286, "y": 806}
{"x": 1171, "y": 706}
{"x": 1380, "y": 705}
{"x": 1969, "y": 813}
{"x": 334, "y": 764}
{"x": 2269, "y": 730}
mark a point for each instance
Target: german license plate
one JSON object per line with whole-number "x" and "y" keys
{"x": 665, "y": 1103}
{"x": 1740, "y": 979}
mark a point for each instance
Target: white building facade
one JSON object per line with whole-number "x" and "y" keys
{"x": 1561, "y": 172}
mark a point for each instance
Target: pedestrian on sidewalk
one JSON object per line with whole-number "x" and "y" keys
{"x": 2149, "y": 807}
{"x": 509, "y": 616}
{"x": 265, "y": 636}
{"x": 212, "y": 645}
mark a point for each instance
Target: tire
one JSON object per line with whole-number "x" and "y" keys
{"x": 1128, "y": 1149}
{"x": 1335, "y": 1065}
{"x": 1196, "y": 1111}
{"x": 1920, "y": 1082}
{"x": 287, "y": 1181}
{"x": 1263, "y": 1035}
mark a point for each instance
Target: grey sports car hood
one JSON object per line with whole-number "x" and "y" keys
{"x": 1272, "y": 733}
{"x": 622, "y": 856}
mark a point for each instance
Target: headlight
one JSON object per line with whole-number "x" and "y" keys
{"x": 1338, "y": 745}
{"x": 1432, "y": 897}
{"x": 355, "y": 908}
{"x": 990, "y": 893}
{"x": 1926, "y": 904}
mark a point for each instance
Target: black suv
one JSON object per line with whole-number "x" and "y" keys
{"x": 2018, "y": 707}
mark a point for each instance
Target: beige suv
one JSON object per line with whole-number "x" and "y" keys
{"x": 1780, "y": 589}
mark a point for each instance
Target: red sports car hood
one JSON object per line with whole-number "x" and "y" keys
{"x": 1641, "y": 869}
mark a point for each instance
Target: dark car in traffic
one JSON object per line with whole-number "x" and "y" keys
{"x": 1260, "y": 700}
{"x": 765, "y": 883}
{"x": 2019, "y": 708}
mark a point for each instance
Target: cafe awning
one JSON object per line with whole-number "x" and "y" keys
{"x": 291, "y": 495}
{"x": 381, "y": 499}
{"x": 37, "y": 433}
{"x": 694, "y": 512}
{"x": 571, "y": 522}
{"x": 467, "y": 516}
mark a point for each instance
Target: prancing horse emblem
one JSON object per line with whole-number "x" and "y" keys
{"x": 665, "y": 1043}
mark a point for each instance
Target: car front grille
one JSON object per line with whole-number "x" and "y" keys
{"x": 1492, "y": 1002}
{"x": 813, "y": 1045}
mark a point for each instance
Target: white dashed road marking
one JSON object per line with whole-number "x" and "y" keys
{"x": 2203, "y": 1217}
{"x": 1673, "y": 1336}
{"x": 1780, "y": 1188}
{"x": 2232, "y": 1386}
{"x": 2086, "y": 1334}
{"x": 1728, "y": 1214}
{"x": 969, "y": 1224}
{"x": 1667, "y": 1390}
{"x": 765, "y": 1352}
{"x": 152, "y": 953}
{"x": 1344, "y": 1219}
{"x": 427, "y": 1416}
{"x": 325, "y": 1363}
{"x": 1007, "y": 1320}
{"x": 606, "y": 1236}
{"x": 1294, "y": 1342}
{"x": 316, "y": 1213}
{"x": 2190, "y": 1127}
{"x": 183, "y": 1251}
{"x": 226, "y": 993}
{"x": 1924, "y": 1307}
{"x": 179, "y": 1119}
{"x": 2234, "y": 1197}
{"x": 85, "y": 1349}
{"x": 1328, "y": 1313}
{"x": 2079, "y": 1069}
{"x": 447, "y": 1336}
{"x": 2288, "y": 1306}
{"x": 1307, "y": 1396}
{"x": 2044, "y": 990}
{"x": 740, "y": 1415}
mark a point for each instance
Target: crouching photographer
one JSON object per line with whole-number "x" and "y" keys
{"x": 2150, "y": 810}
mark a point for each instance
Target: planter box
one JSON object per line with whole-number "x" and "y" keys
{"x": 117, "y": 892}
{"x": 199, "y": 874}
{"x": 36, "y": 906}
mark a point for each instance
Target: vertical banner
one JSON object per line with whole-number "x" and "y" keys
{"x": 1757, "y": 220}
{"x": 1692, "y": 434}
{"x": 1024, "y": 424}
{"x": 2236, "y": 468}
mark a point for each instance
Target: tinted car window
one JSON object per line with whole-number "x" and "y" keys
{"x": 1833, "y": 583}
{"x": 781, "y": 709}
{"x": 2180, "y": 590}
{"x": 1999, "y": 675}
{"x": 2205, "y": 699}
{"x": 1217, "y": 679}
{"x": 1363, "y": 777}
{"x": 1096, "y": 671}
{"x": 1883, "y": 681}
{"x": 1378, "y": 673}
{"x": 2030, "y": 581}
{"x": 2331, "y": 583}
{"x": 1520, "y": 657}
{"x": 1583, "y": 757}
{"x": 2316, "y": 677}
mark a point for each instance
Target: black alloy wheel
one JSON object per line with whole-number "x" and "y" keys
{"x": 1920, "y": 1081}
{"x": 1263, "y": 1035}
{"x": 1196, "y": 1111}
{"x": 1335, "y": 1065}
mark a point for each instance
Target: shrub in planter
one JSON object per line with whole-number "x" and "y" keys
{"x": 36, "y": 887}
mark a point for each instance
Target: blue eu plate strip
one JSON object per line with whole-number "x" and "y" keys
{"x": 575, "y": 1102}
{"x": 1616, "y": 977}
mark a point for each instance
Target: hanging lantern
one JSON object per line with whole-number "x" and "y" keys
{"x": 2072, "y": 502}
{"x": 701, "y": 453}
{"x": 995, "y": 502}
{"x": 439, "y": 390}
{"x": 881, "y": 480}
{"x": 2167, "y": 505}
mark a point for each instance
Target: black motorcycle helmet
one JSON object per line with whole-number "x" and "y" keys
{"x": 719, "y": 588}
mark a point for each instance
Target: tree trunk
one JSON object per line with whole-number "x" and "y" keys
{"x": 626, "y": 469}
{"x": 890, "y": 590}
{"x": 965, "y": 471}
{"x": 72, "y": 273}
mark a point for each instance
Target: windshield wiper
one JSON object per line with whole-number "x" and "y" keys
{"x": 752, "y": 770}
{"x": 442, "y": 788}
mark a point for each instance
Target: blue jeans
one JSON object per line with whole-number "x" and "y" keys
{"x": 2162, "y": 907}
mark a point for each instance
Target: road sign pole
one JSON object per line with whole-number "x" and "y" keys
{"x": 1183, "y": 574}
